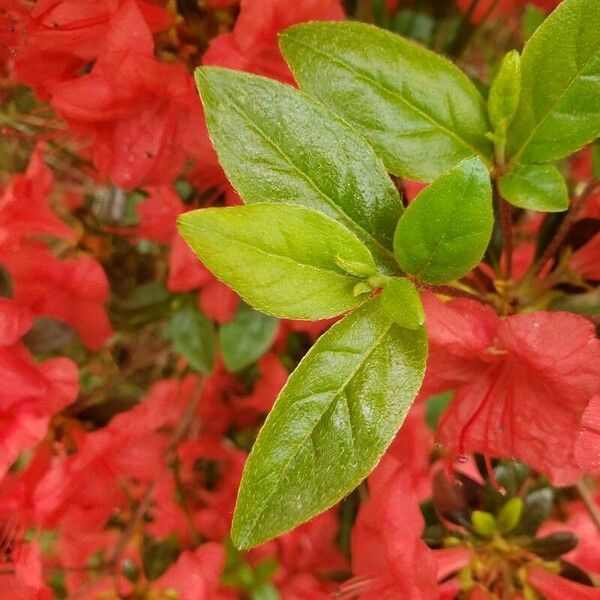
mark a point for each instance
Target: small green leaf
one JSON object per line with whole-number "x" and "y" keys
{"x": 355, "y": 268}
{"x": 483, "y": 523}
{"x": 504, "y": 93}
{"x": 445, "y": 230}
{"x": 559, "y": 109}
{"x": 245, "y": 339}
{"x": 509, "y": 515}
{"x": 277, "y": 145}
{"x": 436, "y": 405}
{"x": 333, "y": 420}
{"x": 280, "y": 258}
{"x": 158, "y": 556}
{"x": 402, "y": 303}
{"x": 420, "y": 112}
{"x": 194, "y": 337}
{"x": 535, "y": 187}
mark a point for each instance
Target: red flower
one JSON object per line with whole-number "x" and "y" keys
{"x": 24, "y": 207}
{"x": 554, "y": 587}
{"x": 61, "y": 36}
{"x": 504, "y": 7}
{"x": 587, "y": 446}
{"x": 586, "y": 260}
{"x": 521, "y": 384}
{"x": 142, "y": 115}
{"x": 27, "y": 583}
{"x": 387, "y": 551}
{"x": 195, "y": 575}
{"x": 586, "y": 554}
{"x": 85, "y": 488}
{"x": 252, "y": 45}
{"x": 72, "y": 290}
{"x": 158, "y": 215}
{"x": 31, "y": 393}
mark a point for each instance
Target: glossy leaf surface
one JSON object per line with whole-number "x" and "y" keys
{"x": 333, "y": 420}
{"x": 559, "y": 111}
{"x": 505, "y": 91}
{"x": 535, "y": 187}
{"x": 419, "y": 111}
{"x": 402, "y": 303}
{"x": 445, "y": 230}
{"x": 245, "y": 339}
{"x": 278, "y": 145}
{"x": 280, "y": 258}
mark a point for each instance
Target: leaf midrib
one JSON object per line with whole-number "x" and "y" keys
{"x": 337, "y": 208}
{"x": 292, "y": 261}
{"x": 416, "y": 109}
{"x": 334, "y": 398}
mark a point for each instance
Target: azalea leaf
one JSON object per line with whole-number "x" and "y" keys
{"x": 194, "y": 337}
{"x": 420, "y": 112}
{"x": 280, "y": 258}
{"x": 535, "y": 187}
{"x": 559, "y": 110}
{"x": 402, "y": 303}
{"x": 245, "y": 339}
{"x": 444, "y": 232}
{"x": 505, "y": 91}
{"x": 277, "y": 145}
{"x": 333, "y": 420}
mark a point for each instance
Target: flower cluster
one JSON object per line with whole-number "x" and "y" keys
{"x": 124, "y": 432}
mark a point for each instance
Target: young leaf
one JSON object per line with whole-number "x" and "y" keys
{"x": 401, "y": 302}
{"x": 444, "y": 232}
{"x": 333, "y": 420}
{"x": 535, "y": 187}
{"x": 280, "y": 258}
{"x": 504, "y": 93}
{"x": 194, "y": 337}
{"x": 278, "y": 145}
{"x": 420, "y": 112}
{"x": 559, "y": 110}
{"x": 245, "y": 339}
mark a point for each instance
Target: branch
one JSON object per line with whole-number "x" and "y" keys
{"x": 590, "y": 504}
{"x": 565, "y": 228}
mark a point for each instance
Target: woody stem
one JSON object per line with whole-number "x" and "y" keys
{"x": 565, "y": 227}
{"x": 588, "y": 501}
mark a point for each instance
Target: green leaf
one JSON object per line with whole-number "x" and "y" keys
{"x": 436, "y": 405}
{"x": 194, "y": 337}
{"x": 401, "y": 302}
{"x": 280, "y": 258}
{"x": 504, "y": 93}
{"x": 559, "y": 110}
{"x": 245, "y": 339}
{"x": 444, "y": 232}
{"x": 535, "y": 187}
{"x": 333, "y": 420}
{"x": 278, "y": 145}
{"x": 533, "y": 17}
{"x": 420, "y": 112}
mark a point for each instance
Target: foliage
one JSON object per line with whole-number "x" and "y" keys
{"x": 324, "y": 322}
